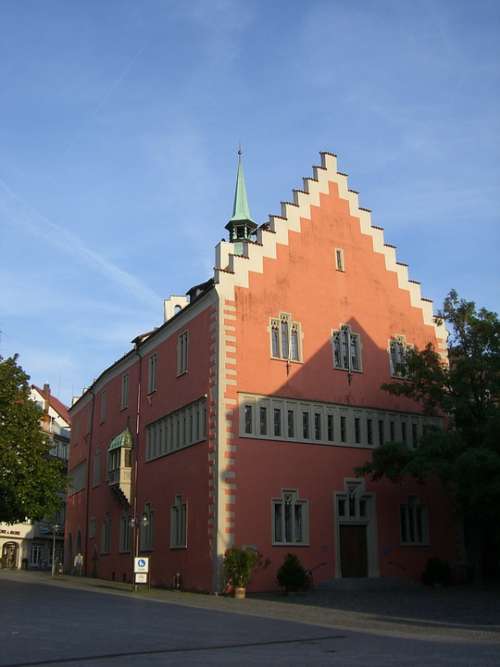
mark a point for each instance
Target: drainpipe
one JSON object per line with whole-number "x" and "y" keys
{"x": 87, "y": 494}
{"x": 135, "y": 550}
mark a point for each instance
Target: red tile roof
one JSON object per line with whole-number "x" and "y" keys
{"x": 55, "y": 403}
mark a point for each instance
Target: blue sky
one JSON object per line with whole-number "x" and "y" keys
{"x": 120, "y": 123}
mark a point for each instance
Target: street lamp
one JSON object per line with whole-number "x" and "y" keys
{"x": 55, "y": 528}
{"x": 136, "y": 522}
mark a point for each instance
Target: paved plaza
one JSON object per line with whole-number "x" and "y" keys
{"x": 69, "y": 621}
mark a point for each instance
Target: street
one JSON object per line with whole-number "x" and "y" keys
{"x": 50, "y": 625}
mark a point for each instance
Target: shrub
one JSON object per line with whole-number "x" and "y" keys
{"x": 239, "y": 564}
{"x": 437, "y": 571}
{"x": 292, "y": 576}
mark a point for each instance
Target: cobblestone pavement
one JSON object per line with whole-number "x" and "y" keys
{"x": 457, "y": 614}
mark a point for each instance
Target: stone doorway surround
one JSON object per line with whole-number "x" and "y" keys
{"x": 355, "y": 507}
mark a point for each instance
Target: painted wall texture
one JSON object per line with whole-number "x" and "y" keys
{"x": 283, "y": 426}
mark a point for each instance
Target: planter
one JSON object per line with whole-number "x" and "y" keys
{"x": 239, "y": 592}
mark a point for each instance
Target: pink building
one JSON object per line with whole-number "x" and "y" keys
{"x": 240, "y": 420}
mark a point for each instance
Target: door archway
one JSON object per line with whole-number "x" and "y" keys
{"x": 10, "y": 552}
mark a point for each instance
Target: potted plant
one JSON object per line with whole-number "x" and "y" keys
{"x": 239, "y": 564}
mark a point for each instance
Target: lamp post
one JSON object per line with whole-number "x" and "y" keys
{"x": 136, "y": 523}
{"x": 55, "y": 528}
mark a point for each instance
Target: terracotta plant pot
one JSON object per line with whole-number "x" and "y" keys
{"x": 239, "y": 592}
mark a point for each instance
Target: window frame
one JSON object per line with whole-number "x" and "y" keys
{"x": 295, "y": 501}
{"x": 179, "y": 529}
{"x": 124, "y": 392}
{"x": 398, "y": 344}
{"x": 344, "y": 340}
{"x": 182, "y": 353}
{"x": 277, "y": 337}
{"x": 339, "y": 260}
{"x": 152, "y": 371}
{"x": 409, "y": 511}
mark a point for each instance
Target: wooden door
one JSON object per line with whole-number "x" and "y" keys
{"x": 353, "y": 551}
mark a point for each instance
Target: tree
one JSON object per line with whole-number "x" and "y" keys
{"x": 30, "y": 480}
{"x": 465, "y": 455}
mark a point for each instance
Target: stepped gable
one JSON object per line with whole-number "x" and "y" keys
{"x": 232, "y": 270}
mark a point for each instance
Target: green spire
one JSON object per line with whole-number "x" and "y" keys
{"x": 241, "y": 210}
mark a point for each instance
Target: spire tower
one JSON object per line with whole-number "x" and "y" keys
{"x": 241, "y": 226}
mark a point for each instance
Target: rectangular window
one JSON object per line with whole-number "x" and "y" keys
{"x": 152, "y": 362}
{"x": 414, "y": 522}
{"x": 106, "y": 535}
{"x": 305, "y": 425}
{"x": 263, "y": 420}
{"x": 92, "y": 526}
{"x": 277, "y": 422}
{"x": 294, "y": 343}
{"x": 103, "y": 406}
{"x": 392, "y": 430}
{"x": 369, "y": 431}
{"x": 355, "y": 355}
{"x": 181, "y": 428}
{"x": 290, "y": 519}
{"x": 343, "y": 429}
{"x": 248, "y": 419}
{"x": 357, "y": 430}
{"x": 330, "y": 434}
{"x": 124, "y": 394}
{"x": 346, "y": 350}
{"x": 317, "y": 426}
{"x": 397, "y": 356}
{"x": 275, "y": 341}
{"x": 291, "y": 424}
{"x": 414, "y": 434}
{"x": 339, "y": 259}
{"x": 125, "y": 533}
{"x": 285, "y": 342}
{"x": 182, "y": 353}
{"x": 403, "y": 432}
{"x": 285, "y": 338}
{"x": 381, "y": 434}
{"x": 178, "y": 524}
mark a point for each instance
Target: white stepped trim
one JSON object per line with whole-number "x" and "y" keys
{"x": 232, "y": 270}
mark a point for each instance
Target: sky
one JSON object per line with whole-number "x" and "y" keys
{"x": 120, "y": 122}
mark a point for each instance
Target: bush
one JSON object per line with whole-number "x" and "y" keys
{"x": 239, "y": 564}
{"x": 292, "y": 576}
{"x": 437, "y": 571}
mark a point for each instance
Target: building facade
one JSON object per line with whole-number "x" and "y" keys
{"x": 30, "y": 544}
{"x": 241, "y": 419}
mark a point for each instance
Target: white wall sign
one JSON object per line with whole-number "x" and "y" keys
{"x": 141, "y": 564}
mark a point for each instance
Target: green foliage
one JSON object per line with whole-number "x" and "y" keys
{"x": 29, "y": 479}
{"x": 292, "y": 576}
{"x": 437, "y": 571}
{"x": 239, "y": 564}
{"x": 465, "y": 456}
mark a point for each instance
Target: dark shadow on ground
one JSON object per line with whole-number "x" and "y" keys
{"x": 458, "y": 606}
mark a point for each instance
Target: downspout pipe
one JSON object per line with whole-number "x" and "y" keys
{"x": 135, "y": 550}
{"x": 87, "y": 492}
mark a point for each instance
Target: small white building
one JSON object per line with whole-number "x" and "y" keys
{"x": 29, "y": 544}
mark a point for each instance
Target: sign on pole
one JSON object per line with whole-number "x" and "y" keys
{"x": 141, "y": 578}
{"x": 141, "y": 565}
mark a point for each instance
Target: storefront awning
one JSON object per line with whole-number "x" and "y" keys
{"x": 122, "y": 440}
